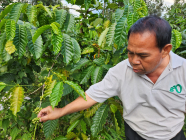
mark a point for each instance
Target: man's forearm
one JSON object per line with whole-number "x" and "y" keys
{"x": 77, "y": 105}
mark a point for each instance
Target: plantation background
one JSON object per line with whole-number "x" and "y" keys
{"x": 49, "y": 57}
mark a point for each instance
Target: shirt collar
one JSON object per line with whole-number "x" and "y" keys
{"x": 175, "y": 60}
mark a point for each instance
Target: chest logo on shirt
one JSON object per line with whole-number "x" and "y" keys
{"x": 177, "y": 87}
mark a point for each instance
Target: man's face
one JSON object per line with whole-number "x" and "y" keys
{"x": 143, "y": 53}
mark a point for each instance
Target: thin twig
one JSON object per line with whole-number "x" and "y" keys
{"x": 53, "y": 64}
{"x": 35, "y": 90}
{"x": 42, "y": 93}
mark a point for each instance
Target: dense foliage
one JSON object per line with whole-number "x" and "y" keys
{"x": 49, "y": 57}
{"x": 177, "y": 18}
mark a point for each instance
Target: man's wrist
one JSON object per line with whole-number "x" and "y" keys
{"x": 61, "y": 112}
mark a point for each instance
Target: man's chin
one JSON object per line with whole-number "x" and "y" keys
{"x": 138, "y": 71}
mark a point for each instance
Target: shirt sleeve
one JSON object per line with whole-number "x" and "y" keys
{"x": 105, "y": 89}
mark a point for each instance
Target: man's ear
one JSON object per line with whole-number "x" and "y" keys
{"x": 166, "y": 49}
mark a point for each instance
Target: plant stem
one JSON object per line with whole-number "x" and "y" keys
{"x": 42, "y": 94}
{"x": 36, "y": 90}
{"x": 35, "y": 131}
{"x": 22, "y": 85}
{"x": 53, "y": 64}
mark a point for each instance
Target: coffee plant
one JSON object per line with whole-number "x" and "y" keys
{"x": 48, "y": 57}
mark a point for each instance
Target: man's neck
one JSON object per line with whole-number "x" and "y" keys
{"x": 159, "y": 70}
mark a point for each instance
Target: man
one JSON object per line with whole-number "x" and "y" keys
{"x": 150, "y": 83}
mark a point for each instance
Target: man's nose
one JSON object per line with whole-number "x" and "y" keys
{"x": 135, "y": 60}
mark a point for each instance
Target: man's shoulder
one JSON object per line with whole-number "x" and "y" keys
{"x": 120, "y": 68}
{"x": 177, "y": 60}
{"x": 121, "y": 65}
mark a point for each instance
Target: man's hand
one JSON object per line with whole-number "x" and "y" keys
{"x": 77, "y": 105}
{"x": 49, "y": 114}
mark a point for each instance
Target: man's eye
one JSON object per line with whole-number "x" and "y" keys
{"x": 143, "y": 56}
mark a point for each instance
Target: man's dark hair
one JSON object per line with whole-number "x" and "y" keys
{"x": 160, "y": 27}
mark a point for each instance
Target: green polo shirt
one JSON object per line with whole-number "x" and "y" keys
{"x": 154, "y": 111}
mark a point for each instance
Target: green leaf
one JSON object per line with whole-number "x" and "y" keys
{"x": 87, "y": 2}
{"x": 84, "y": 136}
{"x": 67, "y": 49}
{"x": 45, "y": 9}
{"x": 54, "y": 28}
{"x": 2, "y": 86}
{"x": 39, "y": 31}
{"x": 107, "y": 67}
{"x": 126, "y": 2}
{"x": 107, "y": 136}
{"x": 49, "y": 88}
{"x": 21, "y": 74}
{"x": 6, "y": 11}
{"x": 85, "y": 75}
{"x": 75, "y": 118}
{"x": 102, "y": 37}
{"x": 72, "y": 126}
{"x": 110, "y": 35}
{"x": 31, "y": 13}
{"x": 69, "y": 23}
{"x": 56, "y": 94}
{"x": 118, "y": 105}
{"x": 20, "y": 40}
{"x": 120, "y": 32}
{"x": 17, "y": 97}
{"x": 26, "y": 136}
{"x": 113, "y": 108}
{"x": 16, "y": 11}
{"x": 15, "y": 131}
{"x": 2, "y": 43}
{"x": 61, "y": 138}
{"x": 83, "y": 126}
{"x": 2, "y": 23}
{"x": 57, "y": 42}
{"x": 77, "y": 50}
{"x": 82, "y": 62}
{"x": 118, "y": 14}
{"x": 131, "y": 19}
{"x": 35, "y": 48}
{"x": 144, "y": 8}
{"x": 49, "y": 127}
{"x": 137, "y": 4}
{"x": 5, "y": 124}
{"x": 87, "y": 50}
{"x": 77, "y": 88}
{"x": 99, "y": 61}
{"x": 70, "y": 135}
{"x": 97, "y": 21}
{"x": 10, "y": 47}
{"x": 119, "y": 117}
{"x": 116, "y": 124}
{"x": 115, "y": 134}
{"x": 92, "y": 111}
{"x": 128, "y": 9}
{"x": 67, "y": 89}
{"x": 108, "y": 58}
{"x": 24, "y": 8}
{"x": 6, "y": 57}
{"x": 96, "y": 75}
{"x": 10, "y": 29}
{"x": 61, "y": 16}
{"x": 176, "y": 39}
{"x": 99, "y": 120}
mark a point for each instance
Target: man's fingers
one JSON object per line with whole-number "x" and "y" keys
{"x": 43, "y": 112}
{"x": 44, "y": 118}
